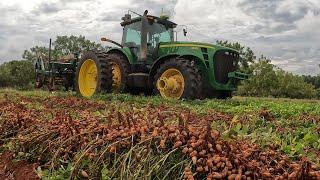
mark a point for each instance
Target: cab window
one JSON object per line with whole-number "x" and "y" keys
{"x": 132, "y": 34}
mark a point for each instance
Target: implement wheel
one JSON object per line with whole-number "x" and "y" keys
{"x": 178, "y": 78}
{"x": 94, "y": 74}
{"x": 51, "y": 84}
{"x": 39, "y": 81}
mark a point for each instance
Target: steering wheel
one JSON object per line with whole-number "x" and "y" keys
{"x": 131, "y": 45}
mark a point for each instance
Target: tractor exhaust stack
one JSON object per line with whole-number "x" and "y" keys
{"x": 49, "y": 50}
{"x": 144, "y": 34}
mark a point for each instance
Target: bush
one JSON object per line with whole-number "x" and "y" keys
{"x": 17, "y": 74}
{"x": 268, "y": 80}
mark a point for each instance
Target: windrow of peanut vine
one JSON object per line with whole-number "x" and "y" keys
{"x": 117, "y": 140}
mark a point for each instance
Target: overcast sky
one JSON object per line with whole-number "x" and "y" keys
{"x": 287, "y": 31}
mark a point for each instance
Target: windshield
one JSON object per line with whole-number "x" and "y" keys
{"x": 159, "y": 33}
{"x": 156, "y": 33}
{"x": 132, "y": 34}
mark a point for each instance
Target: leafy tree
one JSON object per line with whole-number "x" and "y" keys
{"x": 70, "y": 44}
{"x": 294, "y": 86}
{"x": 315, "y": 80}
{"x": 18, "y": 74}
{"x": 35, "y": 52}
{"x": 269, "y": 80}
{"x": 63, "y": 45}
{"x": 247, "y": 55}
{"x": 262, "y": 82}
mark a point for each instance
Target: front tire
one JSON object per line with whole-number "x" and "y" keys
{"x": 94, "y": 74}
{"x": 178, "y": 78}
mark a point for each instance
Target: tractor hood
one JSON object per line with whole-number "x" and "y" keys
{"x": 193, "y": 44}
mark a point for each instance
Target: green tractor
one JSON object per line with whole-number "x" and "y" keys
{"x": 150, "y": 58}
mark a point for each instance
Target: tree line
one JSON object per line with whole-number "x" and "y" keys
{"x": 265, "y": 80}
{"x": 314, "y": 80}
{"x": 268, "y": 80}
{"x": 62, "y": 46}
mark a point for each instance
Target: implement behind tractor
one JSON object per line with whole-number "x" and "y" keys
{"x": 150, "y": 58}
{"x": 55, "y": 73}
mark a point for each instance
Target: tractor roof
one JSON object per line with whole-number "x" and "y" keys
{"x": 127, "y": 20}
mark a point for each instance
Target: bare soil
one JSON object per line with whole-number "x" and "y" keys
{"x": 18, "y": 170}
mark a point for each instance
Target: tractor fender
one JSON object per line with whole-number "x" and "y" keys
{"x": 199, "y": 61}
{"x": 123, "y": 51}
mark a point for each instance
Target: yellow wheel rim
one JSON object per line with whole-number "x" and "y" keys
{"x": 116, "y": 78}
{"x": 87, "y": 79}
{"x": 171, "y": 84}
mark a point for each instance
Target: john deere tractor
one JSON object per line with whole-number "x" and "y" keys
{"x": 150, "y": 58}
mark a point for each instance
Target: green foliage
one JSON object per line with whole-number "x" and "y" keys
{"x": 262, "y": 82}
{"x": 268, "y": 80}
{"x": 315, "y": 80}
{"x": 35, "y": 52}
{"x": 294, "y": 86}
{"x": 18, "y": 74}
{"x": 61, "y": 173}
{"x": 63, "y": 45}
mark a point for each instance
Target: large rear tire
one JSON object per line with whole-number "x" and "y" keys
{"x": 178, "y": 78}
{"x": 94, "y": 74}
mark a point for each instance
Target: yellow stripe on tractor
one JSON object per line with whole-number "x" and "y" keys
{"x": 186, "y": 45}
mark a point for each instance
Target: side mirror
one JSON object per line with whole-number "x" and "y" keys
{"x": 184, "y": 32}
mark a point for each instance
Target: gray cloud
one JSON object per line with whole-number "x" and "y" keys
{"x": 284, "y": 30}
{"x": 110, "y": 17}
{"x": 269, "y": 10}
{"x": 49, "y": 7}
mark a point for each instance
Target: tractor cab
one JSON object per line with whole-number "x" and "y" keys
{"x": 143, "y": 34}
